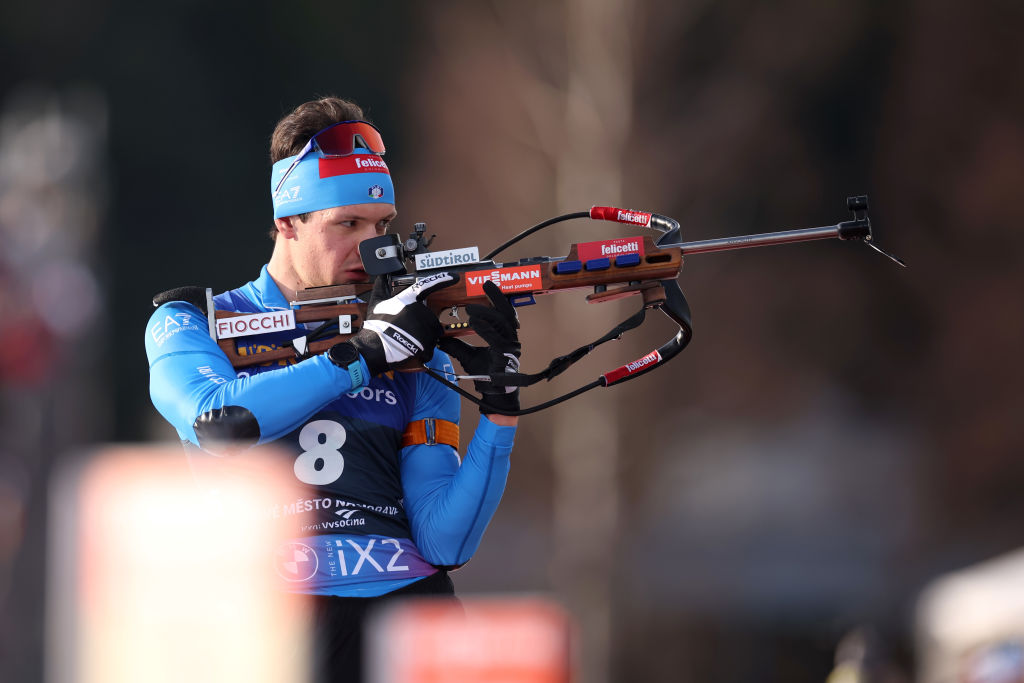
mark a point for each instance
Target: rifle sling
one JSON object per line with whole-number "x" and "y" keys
{"x": 562, "y": 363}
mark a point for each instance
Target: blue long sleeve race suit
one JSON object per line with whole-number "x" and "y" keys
{"x": 373, "y": 515}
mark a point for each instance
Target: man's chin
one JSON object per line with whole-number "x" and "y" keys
{"x": 352, "y": 277}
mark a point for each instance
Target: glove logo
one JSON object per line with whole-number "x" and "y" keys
{"x": 403, "y": 340}
{"x": 430, "y": 281}
{"x": 511, "y": 363}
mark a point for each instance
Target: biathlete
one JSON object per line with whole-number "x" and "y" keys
{"x": 385, "y": 507}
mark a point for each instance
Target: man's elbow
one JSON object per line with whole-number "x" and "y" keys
{"x": 447, "y": 553}
{"x": 233, "y": 424}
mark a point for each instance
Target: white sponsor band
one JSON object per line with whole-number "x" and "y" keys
{"x": 256, "y": 323}
{"x": 446, "y": 259}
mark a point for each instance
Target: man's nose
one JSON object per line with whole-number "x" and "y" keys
{"x": 367, "y": 230}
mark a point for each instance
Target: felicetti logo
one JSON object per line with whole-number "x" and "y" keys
{"x": 651, "y": 359}
{"x": 635, "y": 217}
{"x": 353, "y": 163}
{"x": 640, "y": 364}
{"x": 368, "y": 163}
{"x": 518, "y": 279}
{"x": 606, "y": 248}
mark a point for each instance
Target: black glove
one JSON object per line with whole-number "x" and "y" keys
{"x": 496, "y": 325}
{"x": 400, "y": 327}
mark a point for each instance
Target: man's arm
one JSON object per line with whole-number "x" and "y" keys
{"x": 193, "y": 385}
{"x": 449, "y": 505}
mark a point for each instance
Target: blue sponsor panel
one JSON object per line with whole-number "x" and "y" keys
{"x": 348, "y": 564}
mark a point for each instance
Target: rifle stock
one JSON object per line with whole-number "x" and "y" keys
{"x": 609, "y": 278}
{"x": 610, "y": 269}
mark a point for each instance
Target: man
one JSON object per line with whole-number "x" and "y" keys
{"x": 386, "y": 506}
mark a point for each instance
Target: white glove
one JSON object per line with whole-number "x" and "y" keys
{"x": 400, "y": 327}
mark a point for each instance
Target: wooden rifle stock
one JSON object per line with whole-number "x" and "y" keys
{"x": 611, "y": 277}
{"x": 611, "y": 269}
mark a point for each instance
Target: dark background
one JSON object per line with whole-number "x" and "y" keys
{"x": 840, "y": 432}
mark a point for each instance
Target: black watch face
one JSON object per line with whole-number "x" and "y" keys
{"x": 344, "y": 354}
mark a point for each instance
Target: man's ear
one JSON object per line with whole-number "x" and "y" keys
{"x": 285, "y": 227}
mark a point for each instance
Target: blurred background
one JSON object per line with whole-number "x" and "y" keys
{"x": 839, "y": 433}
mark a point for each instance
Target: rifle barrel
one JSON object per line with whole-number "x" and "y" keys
{"x": 760, "y": 240}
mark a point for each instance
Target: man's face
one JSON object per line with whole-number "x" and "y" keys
{"x": 325, "y": 247}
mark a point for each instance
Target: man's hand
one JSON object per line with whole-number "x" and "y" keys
{"x": 400, "y": 327}
{"x": 496, "y": 325}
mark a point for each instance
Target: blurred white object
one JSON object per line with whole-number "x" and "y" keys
{"x": 156, "y": 578}
{"x": 970, "y": 624}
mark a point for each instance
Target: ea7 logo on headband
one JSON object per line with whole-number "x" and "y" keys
{"x": 290, "y": 194}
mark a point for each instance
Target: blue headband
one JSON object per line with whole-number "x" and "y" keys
{"x": 323, "y": 183}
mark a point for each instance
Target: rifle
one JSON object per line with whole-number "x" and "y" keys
{"x": 646, "y": 266}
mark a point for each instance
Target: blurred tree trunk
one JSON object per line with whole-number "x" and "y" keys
{"x": 586, "y": 438}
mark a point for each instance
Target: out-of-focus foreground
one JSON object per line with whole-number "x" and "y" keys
{"x": 839, "y": 433}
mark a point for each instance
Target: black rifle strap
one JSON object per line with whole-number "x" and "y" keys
{"x": 562, "y": 363}
{"x": 555, "y": 367}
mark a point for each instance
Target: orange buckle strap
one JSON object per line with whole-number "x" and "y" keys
{"x": 431, "y": 431}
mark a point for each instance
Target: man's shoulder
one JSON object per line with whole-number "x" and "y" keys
{"x": 173, "y": 320}
{"x": 238, "y": 300}
{"x": 244, "y": 299}
{"x": 255, "y": 296}
{"x": 181, "y": 315}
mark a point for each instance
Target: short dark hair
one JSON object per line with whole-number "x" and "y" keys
{"x": 294, "y": 130}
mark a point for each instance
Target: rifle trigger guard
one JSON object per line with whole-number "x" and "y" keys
{"x": 654, "y": 296}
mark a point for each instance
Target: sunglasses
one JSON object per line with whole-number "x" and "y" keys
{"x": 339, "y": 140}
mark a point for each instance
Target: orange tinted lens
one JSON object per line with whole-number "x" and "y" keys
{"x": 342, "y": 138}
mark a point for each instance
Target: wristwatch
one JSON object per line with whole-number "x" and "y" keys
{"x": 346, "y": 357}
